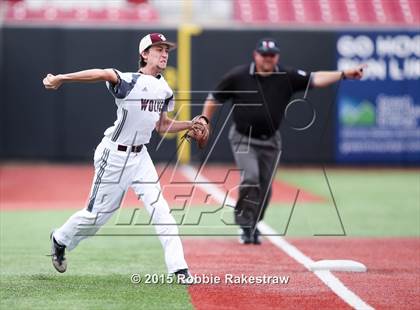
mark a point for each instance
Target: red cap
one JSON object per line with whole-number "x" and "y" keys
{"x": 154, "y": 39}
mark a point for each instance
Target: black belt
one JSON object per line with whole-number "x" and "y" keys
{"x": 260, "y": 136}
{"x": 134, "y": 148}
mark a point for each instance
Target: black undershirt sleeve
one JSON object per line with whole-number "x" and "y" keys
{"x": 299, "y": 79}
{"x": 166, "y": 104}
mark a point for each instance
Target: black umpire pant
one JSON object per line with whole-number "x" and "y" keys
{"x": 257, "y": 159}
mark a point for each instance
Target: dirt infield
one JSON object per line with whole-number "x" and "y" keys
{"x": 220, "y": 257}
{"x": 46, "y": 186}
{"x": 390, "y": 283}
{"x": 393, "y": 277}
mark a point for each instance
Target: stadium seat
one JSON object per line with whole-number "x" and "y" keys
{"x": 336, "y": 12}
{"x": 91, "y": 11}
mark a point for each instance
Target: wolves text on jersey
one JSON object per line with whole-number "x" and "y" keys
{"x": 152, "y": 105}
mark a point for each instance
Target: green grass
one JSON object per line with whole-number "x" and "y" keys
{"x": 98, "y": 276}
{"x": 371, "y": 204}
{"x": 47, "y": 291}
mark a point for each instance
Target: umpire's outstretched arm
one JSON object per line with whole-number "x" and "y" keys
{"x": 326, "y": 78}
{"x": 319, "y": 79}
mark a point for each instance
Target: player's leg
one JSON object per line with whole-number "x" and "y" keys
{"x": 147, "y": 187}
{"x": 268, "y": 160}
{"x": 246, "y": 159}
{"x": 107, "y": 192}
{"x": 85, "y": 223}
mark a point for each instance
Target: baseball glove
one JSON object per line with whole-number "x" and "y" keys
{"x": 199, "y": 131}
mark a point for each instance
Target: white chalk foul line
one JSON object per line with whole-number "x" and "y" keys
{"x": 324, "y": 275}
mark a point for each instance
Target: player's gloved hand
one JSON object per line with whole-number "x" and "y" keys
{"x": 199, "y": 131}
{"x": 52, "y": 81}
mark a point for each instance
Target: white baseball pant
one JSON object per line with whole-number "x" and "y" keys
{"x": 115, "y": 172}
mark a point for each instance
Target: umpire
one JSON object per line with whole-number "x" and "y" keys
{"x": 260, "y": 92}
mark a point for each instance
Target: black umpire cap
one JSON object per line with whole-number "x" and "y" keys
{"x": 267, "y": 46}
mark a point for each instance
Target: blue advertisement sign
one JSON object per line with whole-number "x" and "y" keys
{"x": 378, "y": 118}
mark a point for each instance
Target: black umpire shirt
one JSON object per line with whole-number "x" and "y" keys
{"x": 259, "y": 102}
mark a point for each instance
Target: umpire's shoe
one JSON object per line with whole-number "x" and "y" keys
{"x": 57, "y": 255}
{"x": 246, "y": 235}
{"x": 256, "y": 237}
{"x": 184, "y": 277}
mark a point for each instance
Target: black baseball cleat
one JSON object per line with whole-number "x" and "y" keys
{"x": 57, "y": 255}
{"x": 256, "y": 237}
{"x": 184, "y": 277}
{"x": 246, "y": 236}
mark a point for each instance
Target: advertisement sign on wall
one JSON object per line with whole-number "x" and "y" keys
{"x": 378, "y": 118}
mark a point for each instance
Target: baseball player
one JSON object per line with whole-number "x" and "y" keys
{"x": 121, "y": 159}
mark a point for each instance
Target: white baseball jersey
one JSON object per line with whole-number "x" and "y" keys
{"x": 140, "y": 100}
